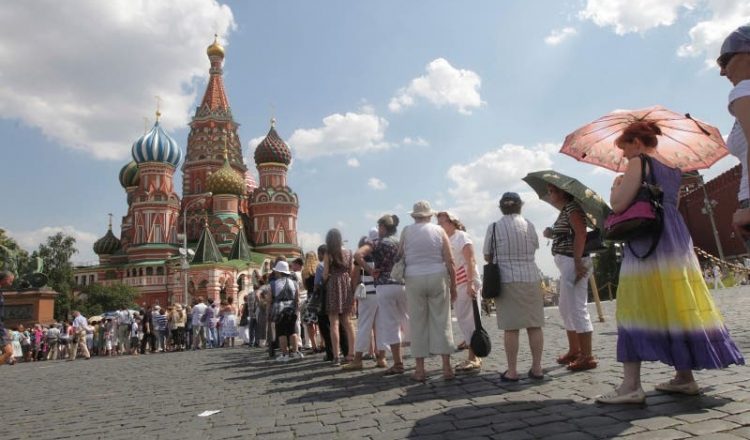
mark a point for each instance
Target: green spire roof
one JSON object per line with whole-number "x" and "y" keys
{"x": 240, "y": 248}
{"x": 207, "y": 250}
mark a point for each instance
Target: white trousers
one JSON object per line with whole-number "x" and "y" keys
{"x": 574, "y": 296}
{"x": 429, "y": 315}
{"x": 392, "y": 319}
{"x": 367, "y": 309}
{"x": 464, "y": 312}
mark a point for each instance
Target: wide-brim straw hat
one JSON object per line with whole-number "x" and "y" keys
{"x": 422, "y": 209}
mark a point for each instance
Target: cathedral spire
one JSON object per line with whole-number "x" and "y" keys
{"x": 215, "y": 97}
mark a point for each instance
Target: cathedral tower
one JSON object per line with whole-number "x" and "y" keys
{"x": 273, "y": 204}
{"x": 211, "y": 128}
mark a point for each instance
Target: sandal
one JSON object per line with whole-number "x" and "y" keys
{"x": 535, "y": 376}
{"x": 462, "y": 346}
{"x": 583, "y": 363}
{"x": 504, "y": 377}
{"x": 449, "y": 376}
{"x": 421, "y": 378}
{"x": 352, "y": 366}
{"x": 380, "y": 363}
{"x": 394, "y": 370}
{"x": 468, "y": 365}
{"x": 567, "y": 358}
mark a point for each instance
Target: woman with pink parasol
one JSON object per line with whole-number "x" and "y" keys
{"x": 664, "y": 309}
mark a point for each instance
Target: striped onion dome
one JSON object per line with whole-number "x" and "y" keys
{"x": 226, "y": 180}
{"x": 107, "y": 245}
{"x": 272, "y": 148}
{"x": 157, "y": 146}
{"x": 129, "y": 175}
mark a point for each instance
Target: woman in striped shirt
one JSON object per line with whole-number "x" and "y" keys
{"x": 568, "y": 240}
{"x": 467, "y": 282}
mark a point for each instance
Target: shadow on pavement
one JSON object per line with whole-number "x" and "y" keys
{"x": 562, "y": 418}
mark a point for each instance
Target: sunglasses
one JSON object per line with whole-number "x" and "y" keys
{"x": 724, "y": 59}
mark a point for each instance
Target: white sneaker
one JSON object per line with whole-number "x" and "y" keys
{"x": 297, "y": 355}
{"x": 282, "y": 358}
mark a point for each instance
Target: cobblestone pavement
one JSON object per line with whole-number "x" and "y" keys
{"x": 160, "y": 396}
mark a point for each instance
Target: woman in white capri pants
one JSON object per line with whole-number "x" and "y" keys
{"x": 468, "y": 284}
{"x": 392, "y": 314}
{"x": 568, "y": 240}
{"x": 430, "y": 288}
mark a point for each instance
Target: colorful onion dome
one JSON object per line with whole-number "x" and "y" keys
{"x": 107, "y": 245}
{"x": 157, "y": 146}
{"x": 226, "y": 180}
{"x": 129, "y": 175}
{"x": 215, "y": 49}
{"x": 273, "y": 149}
{"x": 250, "y": 183}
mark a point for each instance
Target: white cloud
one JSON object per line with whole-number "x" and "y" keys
{"x": 706, "y": 36}
{"x": 30, "y": 241}
{"x": 418, "y": 141}
{"x": 442, "y": 85}
{"x": 557, "y": 36}
{"x": 627, "y": 16}
{"x": 376, "y": 184}
{"x": 91, "y": 69}
{"x": 309, "y": 241}
{"x": 350, "y": 133}
{"x": 352, "y": 162}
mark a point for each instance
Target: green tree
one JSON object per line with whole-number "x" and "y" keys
{"x": 56, "y": 254}
{"x": 12, "y": 257}
{"x": 99, "y": 298}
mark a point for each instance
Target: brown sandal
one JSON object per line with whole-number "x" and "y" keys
{"x": 394, "y": 370}
{"x": 583, "y": 363}
{"x": 567, "y": 358}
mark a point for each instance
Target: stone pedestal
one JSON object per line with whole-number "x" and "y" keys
{"x": 29, "y": 307}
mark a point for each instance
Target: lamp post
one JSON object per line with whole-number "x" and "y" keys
{"x": 185, "y": 264}
{"x": 708, "y": 208}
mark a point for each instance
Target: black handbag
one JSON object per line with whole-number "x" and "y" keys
{"x": 491, "y": 273}
{"x": 480, "y": 341}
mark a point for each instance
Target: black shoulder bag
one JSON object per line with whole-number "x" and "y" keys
{"x": 491, "y": 273}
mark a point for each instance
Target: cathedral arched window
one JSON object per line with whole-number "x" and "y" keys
{"x": 160, "y": 270}
{"x": 280, "y": 238}
{"x": 149, "y": 271}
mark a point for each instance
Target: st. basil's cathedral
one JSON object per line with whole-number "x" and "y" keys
{"x": 234, "y": 225}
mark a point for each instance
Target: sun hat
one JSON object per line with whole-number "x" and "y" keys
{"x": 451, "y": 216}
{"x": 510, "y": 198}
{"x": 422, "y": 209}
{"x": 282, "y": 267}
{"x": 737, "y": 41}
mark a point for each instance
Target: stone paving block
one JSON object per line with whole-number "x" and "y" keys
{"x": 551, "y": 429}
{"x": 743, "y": 432}
{"x": 742, "y": 419}
{"x": 699, "y": 416}
{"x": 656, "y": 423}
{"x": 708, "y": 427}
{"x": 613, "y": 430}
{"x": 519, "y": 434}
{"x": 661, "y": 434}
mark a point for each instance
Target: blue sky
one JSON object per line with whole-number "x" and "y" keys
{"x": 383, "y": 103}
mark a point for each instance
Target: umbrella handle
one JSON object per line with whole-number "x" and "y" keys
{"x": 687, "y": 115}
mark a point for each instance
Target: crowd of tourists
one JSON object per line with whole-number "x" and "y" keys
{"x": 406, "y": 287}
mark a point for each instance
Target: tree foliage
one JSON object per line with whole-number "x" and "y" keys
{"x": 56, "y": 254}
{"x": 100, "y": 298}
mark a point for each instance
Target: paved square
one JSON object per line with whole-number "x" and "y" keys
{"x": 160, "y": 396}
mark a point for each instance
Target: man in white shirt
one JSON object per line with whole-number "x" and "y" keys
{"x": 717, "y": 277}
{"x": 80, "y": 324}
{"x": 123, "y": 330}
{"x": 199, "y": 334}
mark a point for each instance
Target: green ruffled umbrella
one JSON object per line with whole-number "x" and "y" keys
{"x": 595, "y": 208}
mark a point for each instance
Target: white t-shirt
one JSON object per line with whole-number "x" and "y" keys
{"x": 198, "y": 311}
{"x": 423, "y": 249}
{"x": 737, "y": 142}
